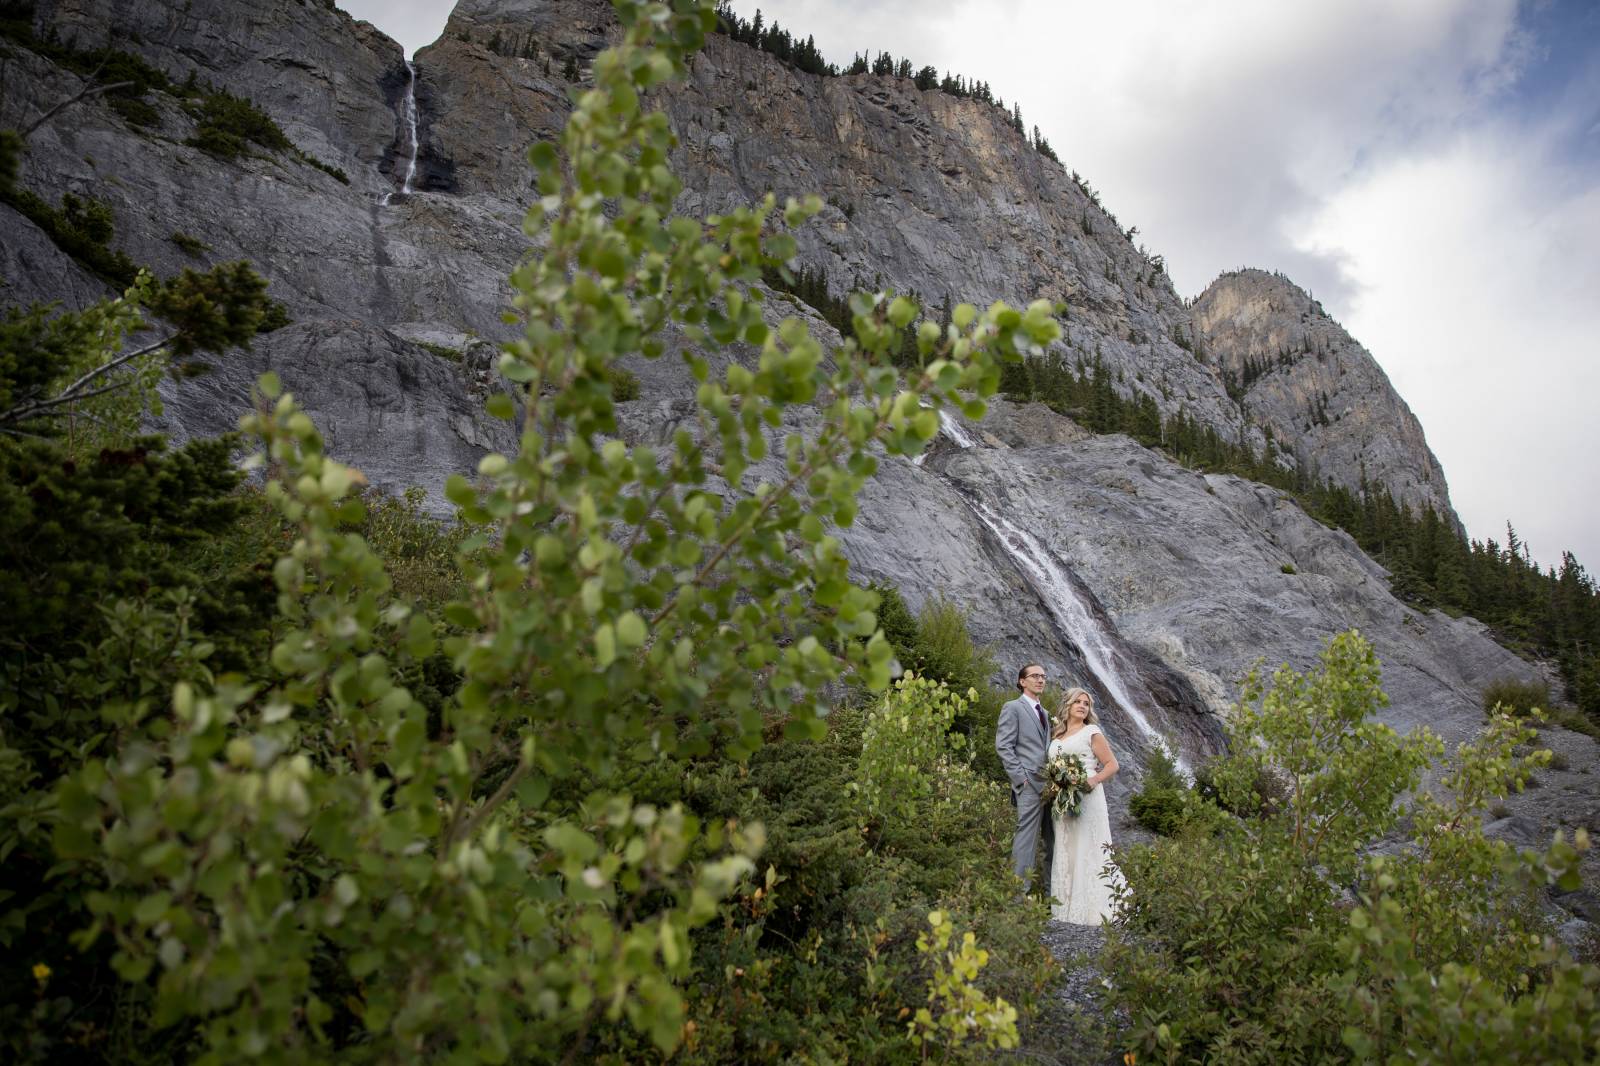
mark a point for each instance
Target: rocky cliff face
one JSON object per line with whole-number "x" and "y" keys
{"x": 1301, "y": 375}
{"x": 925, "y": 193}
{"x": 1105, "y": 560}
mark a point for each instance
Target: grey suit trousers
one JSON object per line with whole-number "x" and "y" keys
{"x": 1034, "y": 825}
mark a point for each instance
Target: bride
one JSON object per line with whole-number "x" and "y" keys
{"x": 1078, "y": 877}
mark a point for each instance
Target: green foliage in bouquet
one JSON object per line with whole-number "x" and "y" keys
{"x": 1280, "y": 939}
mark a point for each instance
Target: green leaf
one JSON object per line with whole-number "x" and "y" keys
{"x": 533, "y": 791}
{"x": 630, "y": 630}
{"x": 152, "y": 908}
{"x": 501, "y": 406}
{"x": 605, "y": 645}
{"x": 461, "y": 614}
{"x": 543, "y": 155}
{"x": 407, "y": 742}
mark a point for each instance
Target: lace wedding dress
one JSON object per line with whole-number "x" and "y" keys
{"x": 1081, "y": 891}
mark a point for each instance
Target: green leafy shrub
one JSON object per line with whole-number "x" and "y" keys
{"x": 944, "y": 649}
{"x": 274, "y": 316}
{"x": 135, "y": 110}
{"x": 336, "y": 173}
{"x": 82, "y": 228}
{"x": 899, "y": 625}
{"x": 1266, "y": 792}
{"x": 1160, "y": 804}
{"x": 958, "y": 1010}
{"x": 1243, "y": 947}
{"x": 227, "y": 125}
{"x": 1511, "y": 696}
{"x": 311, "y": 857}
{"x": 906, "y": 744}
{"x": 1163, "y": 811}
{"x": 1576, "y": 721}
{"x": 1288, "y": 568}
{"x": 1166, "y": 804}
{"x": 420, "y": 553}
{"x": 947, "y": 653}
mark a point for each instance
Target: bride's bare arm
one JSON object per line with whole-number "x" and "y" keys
{"x": 1108, "y": 761}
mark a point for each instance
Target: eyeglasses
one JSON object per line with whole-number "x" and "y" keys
{"x": 1031, "y": 677}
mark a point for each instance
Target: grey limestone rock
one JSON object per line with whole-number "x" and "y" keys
{"x": 1178, "y": 577}
{"x": 393, "y": 408}
{"x": 1324, "y": 397}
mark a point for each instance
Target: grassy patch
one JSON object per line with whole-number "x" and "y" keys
{"x": 338, "y": 175}
{"x": 1515, "y": 697}
{"x": 229, "y": 124}
{"x": 80, "y": 227}
{"x": 443, "y": 351}
{"x": 191, "y": 245}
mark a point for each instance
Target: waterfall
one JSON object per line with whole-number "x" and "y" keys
{"x": 411, "y": 125}
{"x": 1072, "y": 614}
{"x": 410, "y": 111}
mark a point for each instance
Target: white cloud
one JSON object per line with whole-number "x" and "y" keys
{"x": 1477, "y": 267}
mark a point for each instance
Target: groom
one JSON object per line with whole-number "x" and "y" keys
{"x": 1022, "y": 739}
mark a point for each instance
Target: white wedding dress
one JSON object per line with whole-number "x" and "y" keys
{"x": 1082, "y": 892}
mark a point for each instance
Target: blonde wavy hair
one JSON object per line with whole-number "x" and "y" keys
{"x": 1061, "y": 710}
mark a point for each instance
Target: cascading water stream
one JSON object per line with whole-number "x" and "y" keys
{"x": 410, "y": 112}
{"x": 1072, "y": 615}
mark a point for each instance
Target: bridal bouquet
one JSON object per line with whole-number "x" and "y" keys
{"x": 1069, "y": 780}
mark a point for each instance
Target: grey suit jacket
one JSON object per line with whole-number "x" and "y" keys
{"x": 1021, "y": 745}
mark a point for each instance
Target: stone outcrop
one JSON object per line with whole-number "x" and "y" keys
{"x": 1179, "y": 579}
{"x": 1322, "y": 395}
{"x": 333, "y": 83}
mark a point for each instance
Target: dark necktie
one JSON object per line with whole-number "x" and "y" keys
{"x": 1044, "y": 723}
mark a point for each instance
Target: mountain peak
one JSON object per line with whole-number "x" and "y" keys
{"x": 1298, "y": 373}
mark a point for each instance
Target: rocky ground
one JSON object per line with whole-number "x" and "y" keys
{"x": 1074, "y": 1028}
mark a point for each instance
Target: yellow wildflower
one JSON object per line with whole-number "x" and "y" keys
{"x": 41, "y": 972}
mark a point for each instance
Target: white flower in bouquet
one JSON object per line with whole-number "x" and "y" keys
{"x": 1069, "y": 779}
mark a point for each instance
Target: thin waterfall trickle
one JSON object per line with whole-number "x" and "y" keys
{"x": 1076, "y": 621}
{"x": 410, "y": 112}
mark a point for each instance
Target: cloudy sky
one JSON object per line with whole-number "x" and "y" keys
{"x": 1428, "y": 169}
